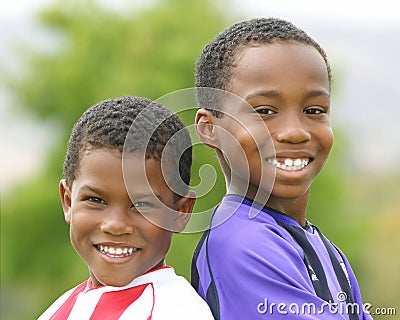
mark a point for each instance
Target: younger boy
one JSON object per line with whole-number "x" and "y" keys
{"x": 113, "y": 210}
{"x": 273, "y": 264}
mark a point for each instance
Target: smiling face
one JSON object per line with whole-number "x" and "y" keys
{"x": 107, "y": 230}
{"x": 287, "y": 86}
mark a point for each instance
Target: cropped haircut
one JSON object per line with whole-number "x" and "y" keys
{"x": 107, "y": 124}
{"x": 217, "y": 61}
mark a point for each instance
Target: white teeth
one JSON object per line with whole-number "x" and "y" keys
{"x": 116, "y": 252}
{"x": 289, "y": 164}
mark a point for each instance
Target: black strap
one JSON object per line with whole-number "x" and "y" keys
{"x": 312, "y": 262}
{"x": 341, "y": 277}
{"x": 194, "y": 275}
{"x": 211, "y": 294}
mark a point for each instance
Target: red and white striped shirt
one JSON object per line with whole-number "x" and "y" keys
{"x": 158, "y": 294}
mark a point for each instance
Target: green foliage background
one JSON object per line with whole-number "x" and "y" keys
{"x": 147, "y": 52}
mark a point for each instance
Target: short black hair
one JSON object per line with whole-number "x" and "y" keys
{"x": 215, "y": 65}
{"x": 107, "y": 124}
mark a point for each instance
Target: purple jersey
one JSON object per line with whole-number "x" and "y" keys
{"x": 267, "y": 266}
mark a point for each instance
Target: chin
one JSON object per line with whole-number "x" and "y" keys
{"x": 118, "y": 282}
{"x": 289, "y": 193}
{"x": 114, "y": 281}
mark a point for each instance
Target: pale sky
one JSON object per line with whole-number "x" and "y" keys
{"x": 360, "y": 37}
{"x": 343, "y": 10}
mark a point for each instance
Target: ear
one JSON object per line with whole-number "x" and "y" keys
{"x": 65, "y": 195}
{"x": 184, "y": 207}
{"x": 206, "y": 128}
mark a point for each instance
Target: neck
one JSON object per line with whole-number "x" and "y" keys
{"x": 296, "y": 208}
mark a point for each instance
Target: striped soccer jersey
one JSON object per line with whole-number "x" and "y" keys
{"x": 158, "y": 294}
{"x": 258, "y": 263}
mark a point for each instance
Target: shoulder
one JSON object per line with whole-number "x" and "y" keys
{"x": 245, "y": 245}
{"x": 241, "y": 234}
{"x": 175, "y": 298}
{"x": 49, "y": 312}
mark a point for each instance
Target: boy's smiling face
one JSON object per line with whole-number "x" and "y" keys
{"x": 106, "y": 228}
{"x": 287, "y": 85}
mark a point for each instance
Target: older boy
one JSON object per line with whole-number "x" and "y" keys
{"x": 273, "y": 264}
{"x": 121, "y": 221}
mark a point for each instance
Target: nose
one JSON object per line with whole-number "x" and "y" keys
{"x": 117, "y": 222}
{"x": 292, "y": 130}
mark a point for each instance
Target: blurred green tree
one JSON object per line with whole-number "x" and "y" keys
{"x": 147, "y": 51}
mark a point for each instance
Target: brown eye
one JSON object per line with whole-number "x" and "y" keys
{"x": 142, "y": 204}
{"x": 95, "y": 200}
{"x": 265, "y": 111}
{"x": 314, "y": 110}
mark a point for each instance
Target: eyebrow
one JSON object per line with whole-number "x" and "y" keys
{"x": 317, "y": 93}
{"x": 136, "y": 197}
{"x": 263, "y": 93}
{"x": 90, "y": 188}
{"x": 277, "y": 94}
{"x": 145, "y": 195}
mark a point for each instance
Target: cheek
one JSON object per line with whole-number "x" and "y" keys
{"x": 149, "y": 222}
{"x": 159, "y": 237}
{"x": 242, "y": 147}
{"x": 244, "y": 140}
{"x": 327, "y": 139}
{"x": 255, "y": 144}
{"x": 254, "y": 133}
{"x": 81, "y": 225}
